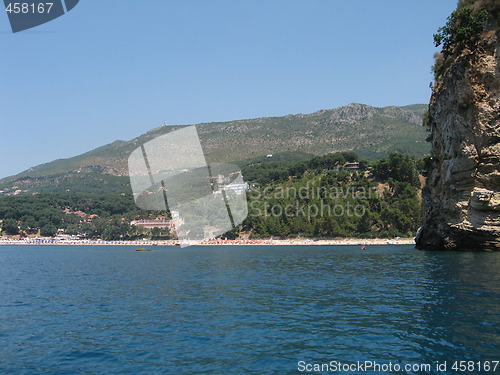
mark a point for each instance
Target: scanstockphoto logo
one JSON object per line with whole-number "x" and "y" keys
{"x": 27, "y": 14}
{"x": 170, "y": 173}
{"x": 329, "y": 201}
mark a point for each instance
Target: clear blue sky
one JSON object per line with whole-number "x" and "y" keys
{"x": 113, "y": 69}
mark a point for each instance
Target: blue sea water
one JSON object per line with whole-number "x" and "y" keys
{"x": 244, "y": 309}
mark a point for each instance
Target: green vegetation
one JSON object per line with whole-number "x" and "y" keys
{"x": 334, "y": 195}
{"x": 462, "y": 30}
{"x": 398, "y": 167}
{"x": 105, "y": 216}
{"x": 282, "y": 157}
{"x": 9, "y": 226}
{"x": 264, "y": 173}
{"x": 325, "y": 197}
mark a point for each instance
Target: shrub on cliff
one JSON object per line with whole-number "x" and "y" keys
{"x": 462, "y": 30}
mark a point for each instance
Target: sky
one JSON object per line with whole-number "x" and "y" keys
{"x": 114, "y": 69}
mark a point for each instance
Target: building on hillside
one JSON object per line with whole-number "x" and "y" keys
{"x": 157, "y": 223}
{"x": 237, "y": 188}
{"x": 353, "y": 166}
{"x": 80, "y": 214}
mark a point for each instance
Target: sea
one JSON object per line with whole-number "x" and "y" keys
{"x": 389, "y": 309}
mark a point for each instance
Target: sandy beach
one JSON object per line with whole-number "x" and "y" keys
{"x": 274, "y": 242}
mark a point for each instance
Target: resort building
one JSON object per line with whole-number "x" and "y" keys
{"x": 157, "y": 223}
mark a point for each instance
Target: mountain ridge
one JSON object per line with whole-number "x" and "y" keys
{"x": 370, "y": 131}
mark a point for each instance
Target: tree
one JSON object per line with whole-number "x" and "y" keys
{"x": 462, "y": 29}
{"x": 10, "y": 226}
{"x": 28, "y": 223}
{"x": 364, "y": 224}
{"x": 155, "y": 232}
{"x": 400, "y": 167}
{"x": 48, "y": 230}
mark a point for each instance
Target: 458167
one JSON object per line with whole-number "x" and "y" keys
{"x": 26, "y": 8}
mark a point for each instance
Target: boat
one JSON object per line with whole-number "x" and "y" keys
{"x": 142, "y": 249}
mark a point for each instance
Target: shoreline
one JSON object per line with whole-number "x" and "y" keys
{"x": 270, "y": 242}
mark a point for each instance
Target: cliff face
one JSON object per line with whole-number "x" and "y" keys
{"x": 462, "y": 197}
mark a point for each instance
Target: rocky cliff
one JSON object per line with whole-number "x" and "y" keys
{"x": 462, "y": 197}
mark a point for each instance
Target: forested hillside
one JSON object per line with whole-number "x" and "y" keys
{"x": 336, "y": 195}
